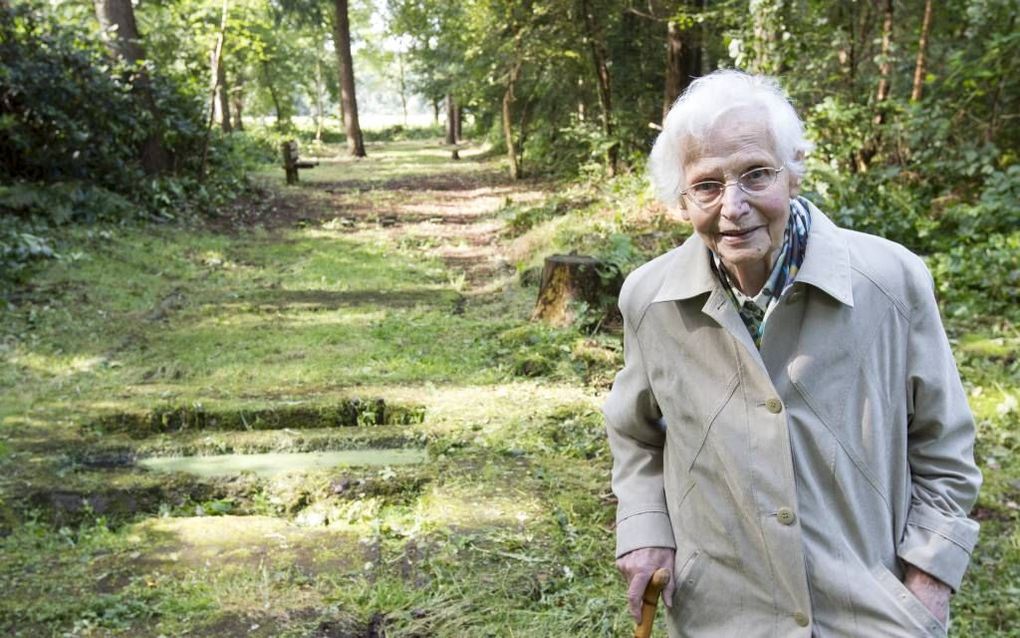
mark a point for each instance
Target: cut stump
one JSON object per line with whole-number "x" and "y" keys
{"x": 569, "y": 280}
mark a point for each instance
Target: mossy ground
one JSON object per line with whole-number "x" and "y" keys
{"x": 393, "y": 278}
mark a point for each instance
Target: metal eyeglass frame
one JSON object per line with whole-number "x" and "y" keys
{"x": 726, "y": 185}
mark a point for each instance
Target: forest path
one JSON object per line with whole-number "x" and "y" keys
{"x": 362, "y": 326}
{"x": 416, "y": 197}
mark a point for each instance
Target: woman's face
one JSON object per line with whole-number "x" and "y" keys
{"x": 744, "y": 230}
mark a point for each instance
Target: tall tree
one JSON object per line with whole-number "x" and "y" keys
{"x": 885, "y": 64}
{"x": 117, "y": 19}
{"x": 222, "y": 96}
{"x": 683, "y": 51}
{"x": 217, "y": 92}
{"x": 922, "y": 48}
{"x": 513, "y": 76}
{"x": 402, "y": 85}
{"x": 342, "y": 43}
{"x": 451, "y": 120}
{"x": 600, "y": 62}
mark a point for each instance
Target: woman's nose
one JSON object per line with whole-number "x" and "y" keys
{"x": 734, "y": 202}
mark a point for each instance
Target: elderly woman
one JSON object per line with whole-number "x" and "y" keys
{"x": 789, "y": 432}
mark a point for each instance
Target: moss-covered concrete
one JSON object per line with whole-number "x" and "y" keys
{"x": 345, "y": 413}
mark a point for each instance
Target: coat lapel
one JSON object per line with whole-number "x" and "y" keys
{"x": 689, "y": 275}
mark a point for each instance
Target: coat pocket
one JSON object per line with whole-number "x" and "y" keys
{"x": 687, "y": 574}
{"x": 908, "y": 602}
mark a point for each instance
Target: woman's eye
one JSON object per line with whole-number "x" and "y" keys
{"x": 705, "y": 187}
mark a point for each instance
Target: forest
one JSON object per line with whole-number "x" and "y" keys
{"x": 239, "y": 399}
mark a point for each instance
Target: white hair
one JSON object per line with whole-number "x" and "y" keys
{"x": 701, "y": 105}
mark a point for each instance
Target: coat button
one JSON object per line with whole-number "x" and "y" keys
{"x": 794, "y": 296}
{"x": 774, "y": 405}
{"x": 786, "y": 516}
{"x": 800, "y": 618}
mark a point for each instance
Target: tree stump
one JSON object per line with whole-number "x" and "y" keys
{"x": 568, "y": 281}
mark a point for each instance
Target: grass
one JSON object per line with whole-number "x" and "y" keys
{"x": 505, "y": 531}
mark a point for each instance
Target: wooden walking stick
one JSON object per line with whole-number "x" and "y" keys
{"x": 650, "y": 602}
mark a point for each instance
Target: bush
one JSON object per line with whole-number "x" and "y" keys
{"x": 980, "y": 278}
{"x": 72, "y": 123}
{"x": 64, "y": 115}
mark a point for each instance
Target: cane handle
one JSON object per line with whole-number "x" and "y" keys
{"x": 650, "y": 601}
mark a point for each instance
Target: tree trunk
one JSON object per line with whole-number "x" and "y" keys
{"x": 267, "y": 77}
{"x": 604, "y": 82}
{"x": 885, "y": 62}
{"x": 674, "y": 66}
{"x": 320, "y": 112}
{"x": 237, "y": 100}
{"x": 458, "y": 117}
{"x": 435, "y": 112}
{"x": 215, "y": 67}
{"x": 683, "y": 61}
{"x": 222, "y": 97}
{"x": 508, "y": 123}
{"x": 342, "y": 42}
{"x": 117, "y": 20}
{"x": 403, "y": 85}
{"x": 451, "y": 116}
{"x": 871, "y": 145}
{"x": 922, "y": 47}
{"x": 522, "y": 132}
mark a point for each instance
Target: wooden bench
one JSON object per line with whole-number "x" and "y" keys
{"x": 291, "y": 161}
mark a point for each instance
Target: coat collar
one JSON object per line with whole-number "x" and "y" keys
{"x": 688, "y": 272}
{"x": 827, "y": 260}
{"x": 826, "y": 265}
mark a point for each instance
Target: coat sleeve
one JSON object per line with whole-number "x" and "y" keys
{"x": 939, "y": 537}
{"x": 636, "y": 438}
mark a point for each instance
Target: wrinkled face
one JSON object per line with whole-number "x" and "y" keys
{"x": 744, "y": 230}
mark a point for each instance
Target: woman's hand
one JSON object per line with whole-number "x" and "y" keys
{"x": 637, "y": 568}
{"x": 929, "y": 590}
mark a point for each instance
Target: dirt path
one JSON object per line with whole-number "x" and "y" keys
{"x": 446, "y": 209}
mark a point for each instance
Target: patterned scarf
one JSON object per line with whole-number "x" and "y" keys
{"x": 784, "y": 271}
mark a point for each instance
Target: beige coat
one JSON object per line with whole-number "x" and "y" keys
{"x": 794, "y": 482}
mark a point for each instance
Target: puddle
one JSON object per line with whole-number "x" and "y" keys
{"x": 280, "y": 463}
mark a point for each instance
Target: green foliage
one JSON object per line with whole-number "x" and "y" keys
{"x": 62, "y": 202}
{"x": 67, "y": 115}
{"x": 980, "y": 278}
{"x": 72, "y": 125}
{"x": 523, "y": 217}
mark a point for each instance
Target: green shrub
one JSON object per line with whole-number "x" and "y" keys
{"x": 72, "y": 124}
{"x": 980, "y": 278}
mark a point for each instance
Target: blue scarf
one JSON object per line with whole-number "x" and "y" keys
{"x": 784, "y": 271}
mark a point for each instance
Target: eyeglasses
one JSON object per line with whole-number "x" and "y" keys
{"x": 710, "y": 192}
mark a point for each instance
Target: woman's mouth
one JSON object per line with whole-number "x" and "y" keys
{"x": 738, "y": 233}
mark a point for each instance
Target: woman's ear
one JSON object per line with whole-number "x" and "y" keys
{"x": 794, "y": 185}
{"x": 794, "y": 179}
